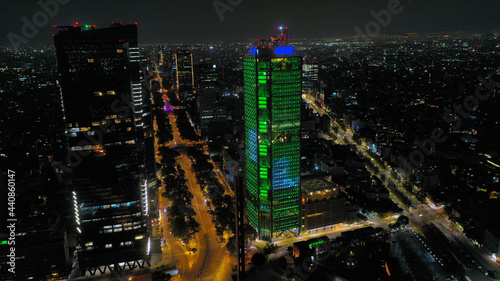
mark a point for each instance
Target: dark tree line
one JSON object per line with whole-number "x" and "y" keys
{"x": 164, "y": 132}
{"x": 180, "y": 213}
{"x": 222, "y": 206}
{"x": 185, "y": 128}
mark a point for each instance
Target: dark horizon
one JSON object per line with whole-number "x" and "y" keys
{"x": 185, "y": 22}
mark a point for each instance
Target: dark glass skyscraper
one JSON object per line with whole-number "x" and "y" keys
{"x": 106, "y": 110}
{"x": 272, "y": 76}
{"x": 183, "y": 60}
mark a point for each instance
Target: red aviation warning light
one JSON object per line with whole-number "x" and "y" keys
{"x": 280, "y": 39}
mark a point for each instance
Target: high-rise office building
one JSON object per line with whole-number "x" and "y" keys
{"x": 183, "y": 63}
{"x": 184, "y": 80}
{"x": 105, "y": 110}
{"x": 272, "y": 74}
{"x": 208, "y": 100}
{"x": 207, "y": 74}
{"x": 310, "y": 74}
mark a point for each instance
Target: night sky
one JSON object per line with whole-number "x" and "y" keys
{"x": 198, "y": 21}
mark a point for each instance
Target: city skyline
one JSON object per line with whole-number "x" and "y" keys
{"x": 369, "y": 157}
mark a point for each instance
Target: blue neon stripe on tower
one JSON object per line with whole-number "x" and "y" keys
{"x": 286, "y": 50}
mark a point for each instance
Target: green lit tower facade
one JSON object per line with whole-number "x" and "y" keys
{"x": 272, "y": 75}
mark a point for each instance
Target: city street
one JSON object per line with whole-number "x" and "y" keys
{"x": 210, "y": 251}
{"x": 173, "y": 252}
{"x": 420, "y": 213}
{"x": 331, "y": 233}
{"x": 205, "y": 262}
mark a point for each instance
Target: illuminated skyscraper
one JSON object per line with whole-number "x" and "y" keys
{"x": 183, "y": 63}
{"x": 272, "y": 75}
{"x": 184, "y": 77}
{"x": 106, "y": 112}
